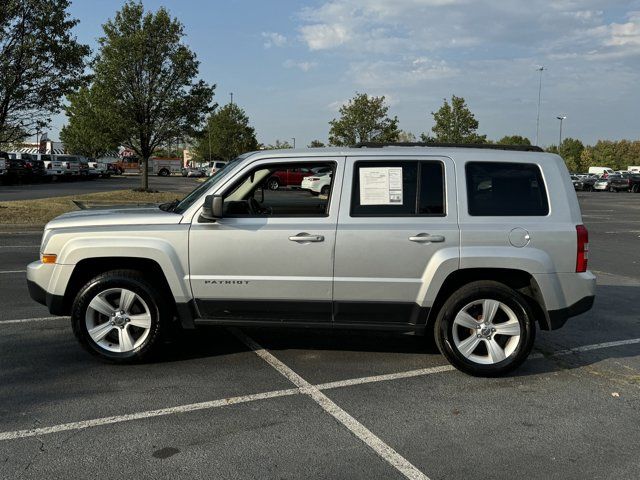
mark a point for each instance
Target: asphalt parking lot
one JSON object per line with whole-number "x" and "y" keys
{"x": 30, "y": 191}
{"x": 316, "y": 404}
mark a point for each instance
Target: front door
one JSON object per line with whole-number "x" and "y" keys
{"x": 398, "y": 222}
{"x": 270, "y": 259}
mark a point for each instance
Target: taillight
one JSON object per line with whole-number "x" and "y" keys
{"x": 28, "y": 164}
{"x": 582, "y": 256}
{"x": 68, "y": 165}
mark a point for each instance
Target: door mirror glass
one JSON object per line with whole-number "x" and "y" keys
{"x": 212, "y": 207}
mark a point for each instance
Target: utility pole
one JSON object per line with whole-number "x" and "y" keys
{"x": 231, "y": 94}
{"x": 294, "y": 141}
{"x": 209, "y": 130}
{"x": 540, "y": 69}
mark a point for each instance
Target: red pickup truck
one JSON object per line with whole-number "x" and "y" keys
{"x": 291, "y": 177}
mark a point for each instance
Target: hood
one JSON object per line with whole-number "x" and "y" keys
{"x": 115, "y": 216}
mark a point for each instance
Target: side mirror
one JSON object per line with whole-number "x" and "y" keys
{"x": 212, "y": 208}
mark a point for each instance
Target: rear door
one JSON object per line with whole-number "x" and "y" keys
{"x": 397, "y": 214}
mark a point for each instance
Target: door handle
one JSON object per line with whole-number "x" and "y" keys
{"x": 306, "y": 238}
{"x": 425, "y": 237}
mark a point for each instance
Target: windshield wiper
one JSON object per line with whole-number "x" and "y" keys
{"x": 169, "y": 206}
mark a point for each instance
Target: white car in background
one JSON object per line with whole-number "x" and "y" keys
{"x": 317, "y": 184}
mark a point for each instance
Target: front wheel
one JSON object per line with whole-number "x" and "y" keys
{"x": 635, "y": 188}
{"x": 273, "y": 184}
{"x": 120, "y": 317}
{"x": 485, "y": 329}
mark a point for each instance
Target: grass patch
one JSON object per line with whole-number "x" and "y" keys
{"x": 40, "y": 211}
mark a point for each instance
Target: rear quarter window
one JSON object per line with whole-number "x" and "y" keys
{"x": 505, "y": 189}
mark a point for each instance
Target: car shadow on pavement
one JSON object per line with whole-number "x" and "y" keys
{"x": 611, "y": 319}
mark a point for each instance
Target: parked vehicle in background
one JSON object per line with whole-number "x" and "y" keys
{"x": 601, "y": 184}
{"x": 479, "y": 247}
{"x": 25, "y": 166}
{"x": 214, "y": 167}
{"x": 4, "y": 158}
{"x": 98, "y": 169}
{"x": 163, "y": 167}
{"x": 634, "y": 168}
{"x": 602, "y": 171}
{"x": 588, "y": 181}
{"x": 291, "y": 177}
{"x": 317, "y": 184}
{"x": 52, "y": 166}
{"x": 127, "y": 165}
{"x": 70, "y": 165}
{"x": 578, "y": 184}
{"x": 619, "y": 183}
{"x": 84, "y": 166}
{"x": 196, "y": 172}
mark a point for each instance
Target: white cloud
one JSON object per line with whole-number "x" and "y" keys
{"x": 382, "y": 74}
{"x": 273, "y": 39}
{"x": 323, "y": 36}
{"x": 623, "y": 34}
{"x": 304, "y": 66}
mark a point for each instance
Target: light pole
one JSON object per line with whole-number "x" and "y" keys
{"x": 209, "y": 131}
{"x": 561, "y": 118}
{"x": 540, "y": 69}
{"x": 294, "y": 141}
{"x": 231, "y": 94}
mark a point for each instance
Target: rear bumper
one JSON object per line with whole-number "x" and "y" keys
{"x": 557, "y": 318}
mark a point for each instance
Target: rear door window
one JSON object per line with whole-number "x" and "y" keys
{"x": 505, "y": 189}
{"x": 398, "y": 188}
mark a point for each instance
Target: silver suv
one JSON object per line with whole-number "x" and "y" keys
{"x": 478, "y": 246}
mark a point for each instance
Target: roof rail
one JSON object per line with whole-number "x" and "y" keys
{"x": 488, "y": 146}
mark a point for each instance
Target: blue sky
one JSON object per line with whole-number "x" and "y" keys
{"x": 291, "y": 64}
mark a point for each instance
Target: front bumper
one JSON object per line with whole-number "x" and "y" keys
{"x": 42, "y": 282}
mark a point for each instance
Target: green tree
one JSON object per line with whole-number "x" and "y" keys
{"x": 316, "y": 144}
{"x": 571, "y": 151}
{"x": 226, "y": 135}
{"x": 454, "y": 123}
{"x": 40, "y": 62}
{"x": 146, "y": 77}
{"x": 514, "y": 140}
{"x": 280, "y": 144}
{"x": 86, "y": 132}
{"x": 363, "y": 119}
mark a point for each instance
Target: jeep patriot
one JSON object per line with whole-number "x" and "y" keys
{"x": 478, "y": 247}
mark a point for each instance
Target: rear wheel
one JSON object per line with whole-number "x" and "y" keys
{"x": 163, "y": 172}
{"x": 485, "y": 329}
{"x": 612, "y": 190}
{"x": 120, "y": 317}
{"x": 325, "y": 190}
{"x": 635, "y": 188}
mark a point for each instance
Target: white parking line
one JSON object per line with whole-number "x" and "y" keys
{"x": 34, "y": 432}
{"x": 266, "y": 395}
{"x": 356, "y": 428}
{"x": 11, "y": 271}
{"x": 28, "y": 320}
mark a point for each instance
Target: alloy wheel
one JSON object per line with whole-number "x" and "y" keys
{"x": 486, "y": 331}
{"x": 118, "y": 320}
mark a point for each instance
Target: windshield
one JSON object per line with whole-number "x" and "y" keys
{"x": 207, "y": 184}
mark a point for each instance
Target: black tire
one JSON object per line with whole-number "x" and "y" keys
{"x": 484, "y": 289}
{"x": 612, "y": 190}
{"x": 635, "y": 188}
{"x": 163, "y": 172}
{"x": 132, "y": 280}
{"x": 325, "y": 190}
{"x": 273, "y": 184}
{"x": 588, "y": 188}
